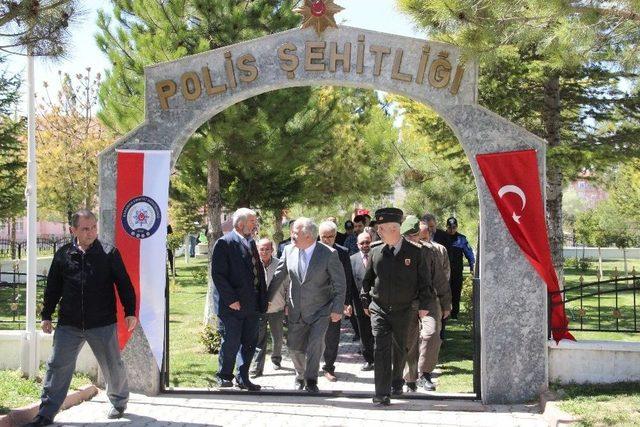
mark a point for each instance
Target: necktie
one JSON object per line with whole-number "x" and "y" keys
{"x": 255, "y": 261}
{"x": 302, "y": 264}
{"x": 388, "y": 249}
{"x": 365, "y": 259}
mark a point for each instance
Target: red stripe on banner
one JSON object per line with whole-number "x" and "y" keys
{"x": 129, "y": 185}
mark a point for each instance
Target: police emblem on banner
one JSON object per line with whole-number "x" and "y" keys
{"x": 141, "y": 217}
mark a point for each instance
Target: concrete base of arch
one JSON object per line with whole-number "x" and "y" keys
{"x": 512, "y": 296}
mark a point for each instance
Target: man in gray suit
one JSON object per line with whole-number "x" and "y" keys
{"x": 316, "y": 295}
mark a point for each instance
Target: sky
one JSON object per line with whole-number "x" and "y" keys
{"x": 378, "y": 15}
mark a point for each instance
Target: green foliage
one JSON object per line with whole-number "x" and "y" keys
{"x": 580, "y": 264}
{"x": 211, "y": 339}
{"x": 298, "y": 145}
{"x": 12, "y": 148}
{"x": 40, "y": 26}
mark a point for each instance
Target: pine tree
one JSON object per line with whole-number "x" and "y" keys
{"x": 12, "y": 148}
{"x": 39, "y": 25}
{"x": 569, "y": 58}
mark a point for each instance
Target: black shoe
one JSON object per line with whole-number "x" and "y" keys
{"x": 426, "y": 382}
{"x": 411, "y": 386}
{"x": 115, "y": 413}
{"x": 247, "y": 385}
{"x": 222, "y": 383}
{"x": 311, "y": 386}
{"x": 38, "y": 421}
{"x": 396, "y": 391}
{"x": 276, "y": 366}
{"x": 255, "y": 374}
{"x": 298, "y": 385}
{"x": 367, "y": 367}
{"x": 381, "y": 400}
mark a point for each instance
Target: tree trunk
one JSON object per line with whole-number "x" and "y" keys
{"x": 278, "y": 236}
{"x": 214, "y": 212}
{"x": 12, "y": 234}
{"x": 600, "y": 262}
{"x": 624, "y": 256}
{"x": 551, "y": 120}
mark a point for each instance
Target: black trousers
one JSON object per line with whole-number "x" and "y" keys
{"x": 456, "y": 290}
{"x": 389, "y": 329}
{"x": 366, "y": 337}
{"x": 331, "y": 343}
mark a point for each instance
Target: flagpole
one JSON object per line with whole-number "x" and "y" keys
{"x": 32, "y": 251}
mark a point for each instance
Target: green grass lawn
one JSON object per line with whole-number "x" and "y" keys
{"x": 17, "y": 391}
{"x": 602, "y": 405}
{"x": 456, "y": 356}
{"x": 189, "y": 364}
{"x": 594, "y": 313}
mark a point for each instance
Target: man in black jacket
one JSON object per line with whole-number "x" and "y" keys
{"x": 328, "y": 232}
{"x": 81, "y": 279}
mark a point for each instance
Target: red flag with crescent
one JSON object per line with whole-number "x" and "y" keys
{"x": 512, "y": 178}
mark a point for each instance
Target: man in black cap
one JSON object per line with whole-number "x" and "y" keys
{"x": 395, "y": 277}
{"x": 458, "y": 246}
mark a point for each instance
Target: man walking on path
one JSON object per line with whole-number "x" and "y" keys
{"x": 81, "y": 278}
{"x": 423, "y": 335}
{"x": 328, "y": 231}
{"x": 240, "y": 298}
{"x": 315, "y": 297}
{"x": 396, "y": 276}
{"x": 458, "y": 247}
{"x": 359, "y": 263}
{"x": 274, "y": 316}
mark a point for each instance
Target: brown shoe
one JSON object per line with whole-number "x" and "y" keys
{"x": 330, "y": 376}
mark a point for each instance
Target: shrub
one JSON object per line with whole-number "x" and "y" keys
{"x": 200, "y": 275}
{"x": 210, "y": 337}
{"x": 466, "y": 297}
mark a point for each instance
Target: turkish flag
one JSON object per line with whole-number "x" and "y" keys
{"x": 512, "y": 178}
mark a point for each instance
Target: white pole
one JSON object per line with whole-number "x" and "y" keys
{"x": 32, "y": 251}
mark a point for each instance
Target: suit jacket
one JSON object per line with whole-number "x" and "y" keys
{"x": 351, "y": 291}
{"x": 358, "y": 268}
{"x": 323, "y": 289}
{"x": 393, "y": 282}
{"x": 233, "y": 277}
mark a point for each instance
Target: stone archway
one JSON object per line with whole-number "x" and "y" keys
{"x": 181, "y": 95}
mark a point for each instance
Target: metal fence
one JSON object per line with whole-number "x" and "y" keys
{"x": 13, "y": 298}
{"x": 603, "y": 305}
{"x": 17, "y": 249}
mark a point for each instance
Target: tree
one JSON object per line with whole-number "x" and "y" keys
{"x": 40, "y": 26}
{"x": 69, "y": 138}
{"x": 12, "y": 148}
{"x": 568, "y": 58}
{"x": 280, "y": 130}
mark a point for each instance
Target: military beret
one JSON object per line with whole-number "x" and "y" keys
{"x": 410, "y": 226}
{"x": 385, "y": 215}
{"x": 452, "y": 222}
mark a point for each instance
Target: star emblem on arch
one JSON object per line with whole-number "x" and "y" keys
{"x": 318, "y": 14}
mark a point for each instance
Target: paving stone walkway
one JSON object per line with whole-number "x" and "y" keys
{"x": 278, "y": 406}
{"x": 250, "y": 410}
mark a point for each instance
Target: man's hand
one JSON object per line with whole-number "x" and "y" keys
{"x": 47, "y": 326}
{"x": 366, "y": 311}
{"x": 336, "y": 317}
{"x": 131, "y": 322}
{"x": 348, "y": 311}
{"x": 446, "y": 314}
{"x": 235, "y": 305}
{"x": 286, "y": 310}
{"x": 422, "y": 313}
